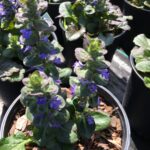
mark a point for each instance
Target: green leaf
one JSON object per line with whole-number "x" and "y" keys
{"x": 72, "y": 34}
{"x": 68, "y": 133}
{"x": 107, "y": 39}
{"x": 11, "y": 71}
{"x": 35, "y": 79}
{"x": 102, "y": 120}
{"x": 63, "y": 116}
{"x": 32, "y": 60}
{"x": 82, "y": 55}
{"x": 84, "y": 129}
{"x": 143, "y": 66}
{"x": 147, "y": 81}
{"x": 29, "y": 115}
{"x": 65, "y": 72}
{"x": 82, "y": 73}
{"x": 51, "y": 89}
{"x": 73, "y": 81}
{"x": 89, "y": 10}
{"x": 142, "y": 41}
{"x": 65, "y": 9}
{"x": 147, "y": 3}
{"x": 15, "y": 142}
{"x": 99, "y": 80}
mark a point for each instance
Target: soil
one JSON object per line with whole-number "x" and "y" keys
{"x": 109, "y": 139}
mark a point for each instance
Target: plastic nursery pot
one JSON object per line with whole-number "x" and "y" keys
{"x": 137, "y": 103}
{"x": 140, "y": 22}
{"x": 53, "y": 12}
{"x": 9, "y": 91}
{"x": 69, "y": 47}
{"x": 110, "y": 99}
{"x": 118, "y": 42}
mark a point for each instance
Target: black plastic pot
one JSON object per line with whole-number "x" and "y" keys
{"x": 137, "y": 103}
{"x": 117, "y": 43}
{"x": 9, "y": 91}
{"x": 109, "y": 97}
{"x": 69, "y": 47}
{"x": 140, "y": 22}
{"x": 53, "y": 10}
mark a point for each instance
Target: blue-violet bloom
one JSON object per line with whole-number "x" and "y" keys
{"x": 57, "y": 61}
{"x": 55, "y": 103}
{"x": 43, "y": 56}
{"x": 104, "y": 73}
{"x": 92, "y": 87}
{"x": 26, "y": 33}
{"x": 73, "y": 89}
{"x": 90, "y": 120}
{"x": 41, "y": 100}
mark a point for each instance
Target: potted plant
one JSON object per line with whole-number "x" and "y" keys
{"x": 21, "y": 42}
{"x": 67, "y": 118}
{"x": 138, "y": 9}
{"x": 53, "y": 6}
{"x": 138, "y": 91}
{"x": 53, "y": 10}
{"x": 8, "y": 41}
{"x": 95, "y": 18}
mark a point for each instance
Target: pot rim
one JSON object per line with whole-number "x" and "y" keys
{"x": 132, "y": 5}
{"x": 127, "y": 132}
{"x": 133, "y": 67}
{"x": 58, "y": 3}
{"x": 124, "y": 116}
{"x": 115, "y": 37}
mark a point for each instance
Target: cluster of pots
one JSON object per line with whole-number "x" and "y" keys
{"x": 136, "y": 99}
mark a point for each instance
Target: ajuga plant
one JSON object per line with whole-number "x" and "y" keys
{"x": 141, "y": 3}
{"x": 60, "y": 119}
{"x": 24, "y": 42}
{"x": 97, "y": 18}
{"x": 141, "y": 53}
{"x": 57, "y": 1}
{"x": 9, "y": 45}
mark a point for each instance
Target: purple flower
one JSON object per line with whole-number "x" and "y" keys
{"x": 55, "y": 103}
{"x": 41, "y": 100}
{"x": 104, "y": 73}
{"x": 27, "y": 48}
{"x": 57, "y": 61}
{"x": 84, "y": 82}
{"x": 56, "y": 125}
{"x": 90, "y": 120}
{"x": 98, "y": 101}
{"x": 41, "y": 68}
{"x": 53, "y": 51}
{"x": 92, "y": 87}
{"x": 39, "y": 116}
{"x": 44, "y": 39}
{"x": 43, "y": 56}
{"x": 95, "y": 2}
{"x": 73, "y": 89}
{"x": 78, "y": 64}
{"x": 58, "y": 81}
{"x": 2, "y": 10}
{"x": 26, "y": 33}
